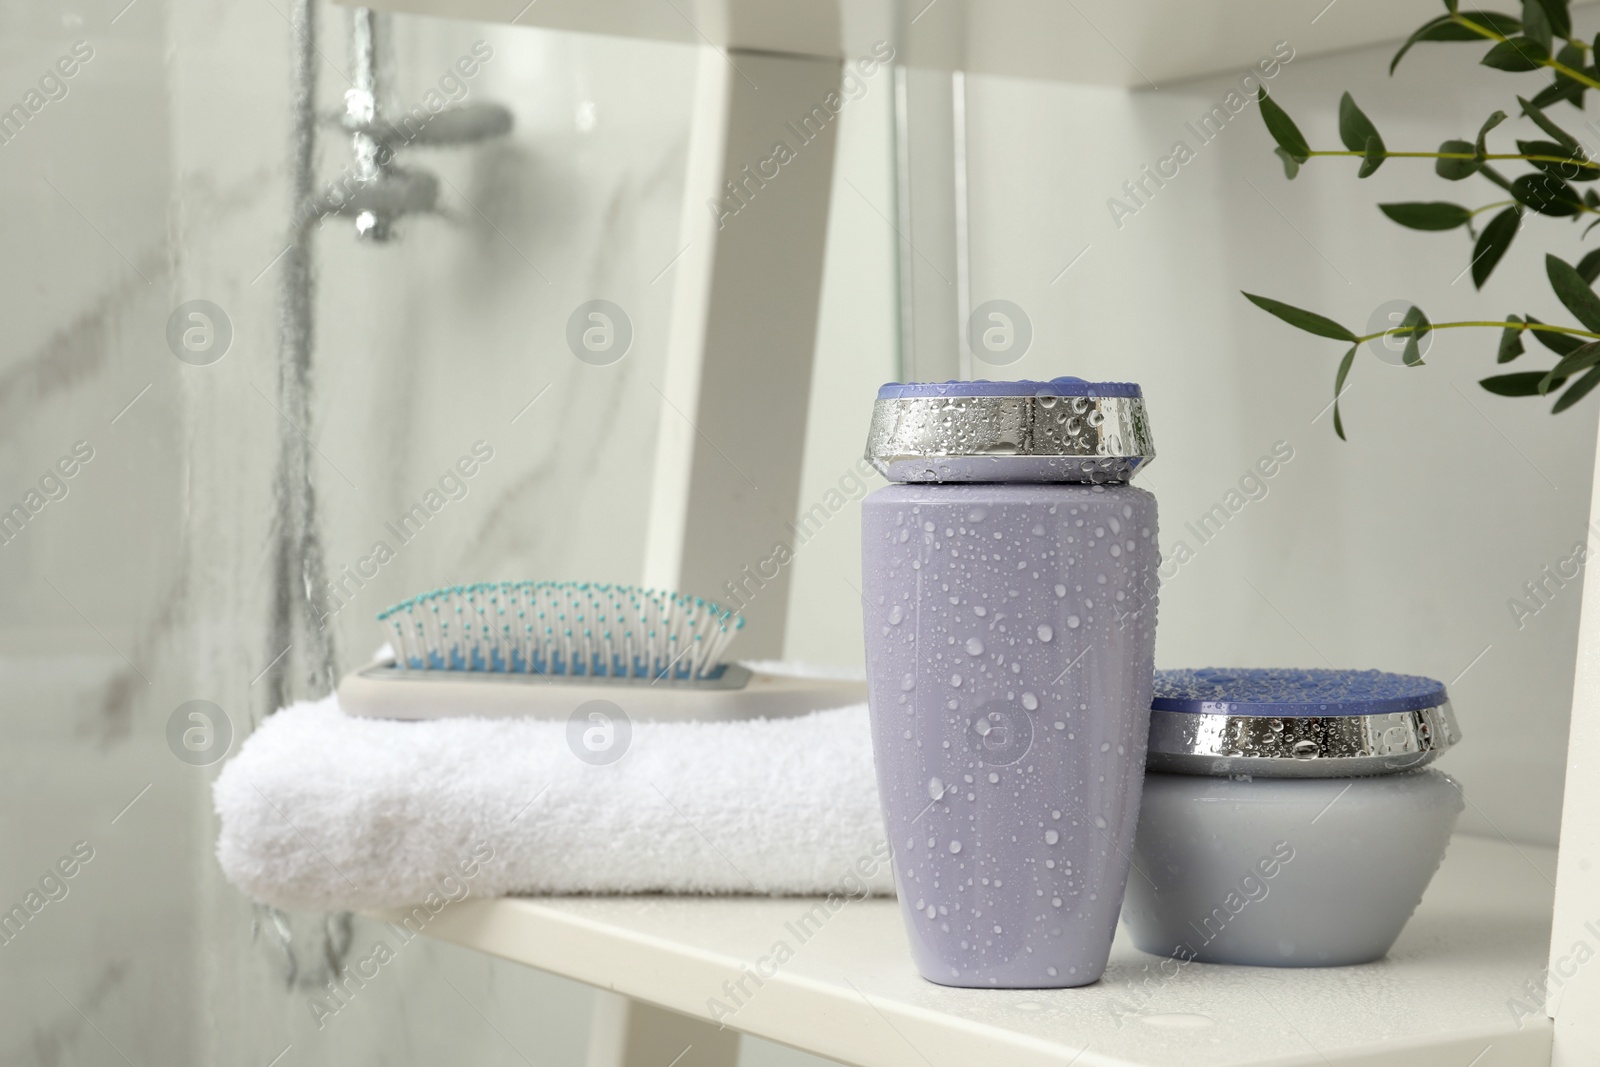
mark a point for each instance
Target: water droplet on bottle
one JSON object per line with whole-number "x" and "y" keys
{"x": 955, "y": 681}
{"x": 1030, "y": 701}
{"x": 1061, "y": 590}
{"x": 1073, "y": 622}
{"x": 908, "y": 683}
{"x": 932, "y": 912}
{"x": 955, "y": 846}
{"x": 935, "y": 789}
{"x": 1100, "y": 822}
{"x": 1051, "y": 837}
{"x": 1045, "y": 632}
{"x": 896, "y": 615}
{"x": 974, "y": 647}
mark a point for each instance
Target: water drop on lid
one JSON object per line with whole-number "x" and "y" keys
{"x": 993, "y": 778}
{"x": 1073, "y": 622}
{"x": 1030, "y": 701}
{"x": 974, "y": 647}
{"x": 1045, "y": 632}
{"x": 1304, "y": 750}
{"x": 1061, "y": 590}
{"x": 1100, "y": 822}
{"x": 955, "y": 681}
{"x": 1051, "y": 837}
{"x": 935, "y": 788}
{"x": 932, "y": 912}
{"x": 955, "y": 846}
{"x": 908, "y": 683}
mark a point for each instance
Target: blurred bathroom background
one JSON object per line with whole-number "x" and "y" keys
{"x": 158, "y": 174}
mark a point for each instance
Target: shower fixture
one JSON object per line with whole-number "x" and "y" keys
{"x": 377, "y": 191}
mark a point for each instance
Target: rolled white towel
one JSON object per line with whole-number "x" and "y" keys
{"x": 324, "y": 811}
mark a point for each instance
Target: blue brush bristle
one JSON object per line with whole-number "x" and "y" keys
{"x": 577, "y": 629}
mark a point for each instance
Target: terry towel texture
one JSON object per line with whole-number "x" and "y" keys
{"x": 324, "y": 811}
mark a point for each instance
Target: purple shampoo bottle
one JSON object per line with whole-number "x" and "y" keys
{"x": 1010, "y": 607}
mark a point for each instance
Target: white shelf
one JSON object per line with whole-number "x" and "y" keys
{"x": 1099, "y": 42}
{"x": 850, "y": 992}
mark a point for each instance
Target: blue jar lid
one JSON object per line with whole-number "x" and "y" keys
{"x": 1281, "y": 692}
{"x": 1054, "y": 387}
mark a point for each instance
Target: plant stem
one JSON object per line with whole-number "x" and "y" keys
{"x": 1491, "y": 207}
{"x": 1405, "y": 331}
{"x": 1462, "y": 155}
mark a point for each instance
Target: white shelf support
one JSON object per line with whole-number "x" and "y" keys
{"x": 630, "y": 1033}
{"x": 744, "y": 326}
{"x": 1571, "y": 984}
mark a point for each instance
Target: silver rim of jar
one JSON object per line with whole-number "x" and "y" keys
{"x": 1329, "y": 746}
{"x": 1032, "y": 438}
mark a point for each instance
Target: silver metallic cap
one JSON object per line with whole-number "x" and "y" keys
{"x": 1339, "y": 746}
{"x": 1064, "y": 430}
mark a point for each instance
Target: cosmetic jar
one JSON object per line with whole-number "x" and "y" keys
{"x": 1289, "y": 818}
{"x": 1009, "y": 583}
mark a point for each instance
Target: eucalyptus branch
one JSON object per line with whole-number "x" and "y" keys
{"x": 1554, "y": 64}
{"x": 1556, "y": 160}
{"x": 1512, "y": 324}
{"x": 1565, "y": 160}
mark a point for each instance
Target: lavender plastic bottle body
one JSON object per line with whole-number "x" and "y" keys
{"x": 1010, "y": 633}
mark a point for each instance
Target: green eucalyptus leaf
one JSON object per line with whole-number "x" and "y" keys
{"x": 1581, "y": 358}
{"x": 1308, "y": 321}
{"x": 1536, "y": 24}
{"x": 1452, "y": 5}
{"x": 1374, "y": 158}
{"x": 1338, "y": 389}
{"x": 1454, "y": 170}
{"x": 1419, "y": 326}
{"x": 1517, "y": 383}
{"x": 1573, "y": 168}
{"x": 1573, "y": 291}
{"x": 1291, "y": 165}
{"x": 1591, "y": 198}
{"x": 1556, "y": 14}
{"x": 1559, "y": 343}
{"x": 1516, "y": 54}
{"x": 1543, "y": 121}
{"x": 1578, "y": 390}
{"x": 1563, "y": 88}
{"x": 1492, "y": 244}
{"x": 1443, "y": 28}
{"x": 1428, "y": 215}
{"x": 1589, "y": 266}
{"x": 1282, "y": 128}
{"x": 1547, "y": 195}
{"x": 1510, "y": 342}
{"x": 1493, "y": 21}
{"x": 1489, "y": 123}
{"x": 1355, "y": 129}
